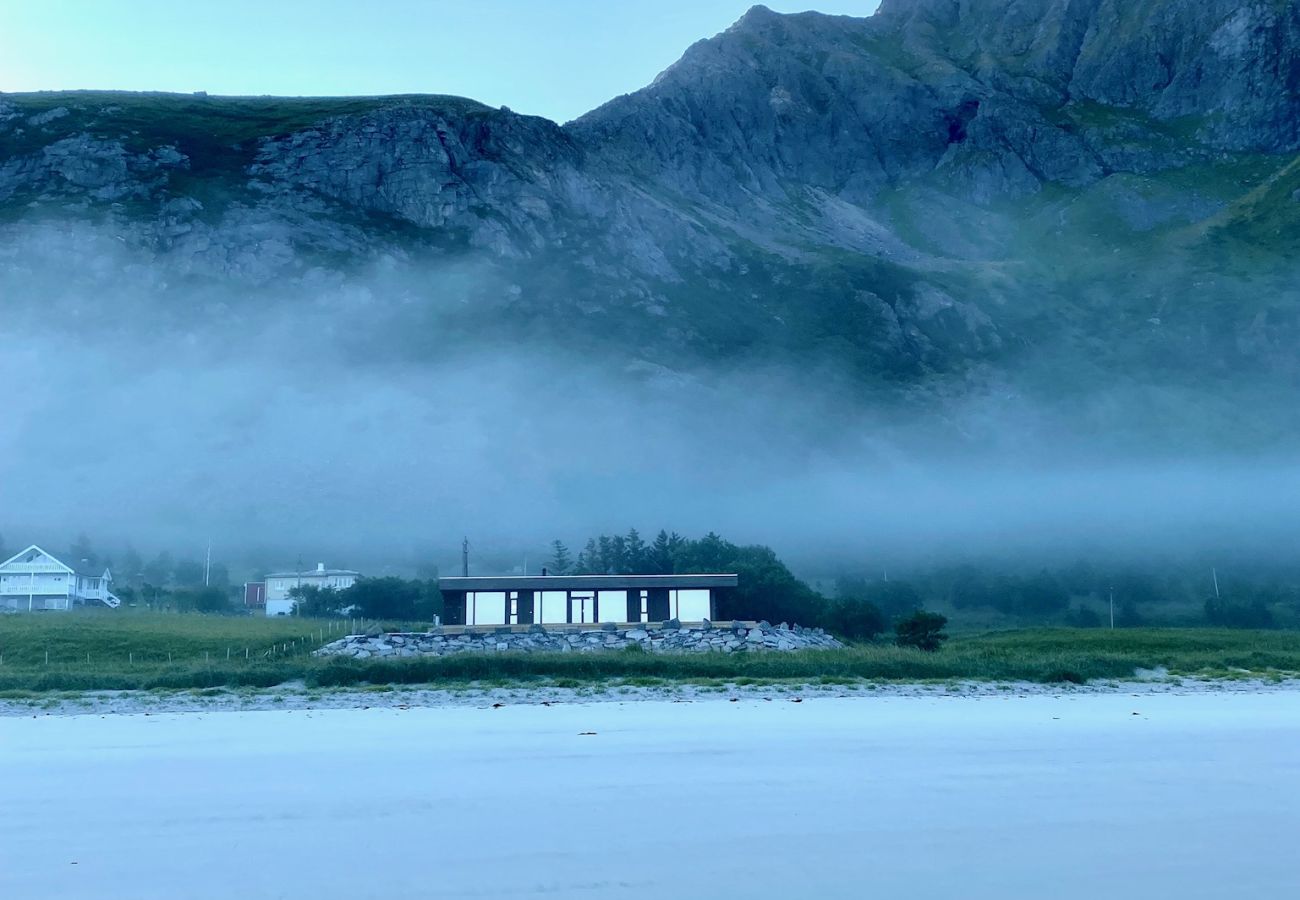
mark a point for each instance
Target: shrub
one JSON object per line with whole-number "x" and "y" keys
{"x": 858, "y": 620}
{"x": 1084, "y": 617}
{"x": 1235, "y": 615}
{"x": 922, "y": 630}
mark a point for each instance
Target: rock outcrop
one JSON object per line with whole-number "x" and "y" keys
{"x": 905, "y": 200}
{"x": 670, "y": 637}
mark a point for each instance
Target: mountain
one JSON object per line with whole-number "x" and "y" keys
{"x": 1083, "y": 206}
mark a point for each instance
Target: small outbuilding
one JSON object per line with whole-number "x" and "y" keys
{"x": 581, "y": 599}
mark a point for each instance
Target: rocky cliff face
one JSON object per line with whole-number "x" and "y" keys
{"x": 925, "y": 197}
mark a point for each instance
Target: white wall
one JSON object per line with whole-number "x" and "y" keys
{"x": 36, "y": 583}
{"x": 278, "y": 588}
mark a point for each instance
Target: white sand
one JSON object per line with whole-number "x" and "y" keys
{"x": 895, "y": 797}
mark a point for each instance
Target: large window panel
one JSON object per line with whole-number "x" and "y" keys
{"x": 613, "y": 606}
{"x": 551, "y": 607}
{"x": 691, "y": 605}
{"x": 485, "y": 608}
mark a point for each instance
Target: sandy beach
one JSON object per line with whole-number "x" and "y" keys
{"x": 1115, "y": 794}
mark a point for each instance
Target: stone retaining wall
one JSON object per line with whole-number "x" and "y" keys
{"x": 727, "y": 637}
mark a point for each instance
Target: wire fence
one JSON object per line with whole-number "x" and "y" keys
{"x": 58, "y": 654}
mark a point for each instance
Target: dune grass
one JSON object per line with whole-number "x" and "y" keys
{"x": 130, "y": 651}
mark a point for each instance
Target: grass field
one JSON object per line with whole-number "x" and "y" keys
{"x": 123, "y": 651}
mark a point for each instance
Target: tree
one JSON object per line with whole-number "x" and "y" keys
{"x": 132, "y": 568}
{"x": 152, "y": 595}
{"x": 313, "y": 600}
{"x": 81, "y": 554}
{"x": 635, "y": 553}
{"x": 855, "y": 619}
{"x": 922, "y": 630}
{"x": 188, "y": 573}
{"x": 1041, "y": 595}
{"x": 767, "y": 590}
{"x": 219, "y": 575}
{"x": 892, "y": 598}
{"x": 158, "y": 571}
{"x": 203, "y": 599}
{"x": 663, "y": 552}
{"x": 1223, "y": 613}
{"x": 561, "y": 562}
{"x": 393, "y": 598}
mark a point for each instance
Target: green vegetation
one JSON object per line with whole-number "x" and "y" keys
{"x": 922, "y": 630}
{"x": 108, "y": 651}
{"x": 371, "y": 598}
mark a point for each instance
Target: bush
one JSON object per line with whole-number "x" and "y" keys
{"x": 204, "y": 599}
{"x": 857, "y": 620}
{"x": 892, "y": 598}
{"x": 922, "y": 630}
{"x": 315, "y": 601}
{"x": 1084, "y": 617}
{"x": 392, "y": 598}
{"x": 1224, "y": 614}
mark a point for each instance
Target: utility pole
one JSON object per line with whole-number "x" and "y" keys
{"x": 207, "y": 565}
{"x": 464, "y": 557}
{"x": 1214, "y": 573}
{"x": 1112, "y": 607}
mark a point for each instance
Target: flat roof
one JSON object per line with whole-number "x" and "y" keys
{"x": 585, "y": 582}
{"x": 313, "y": 573}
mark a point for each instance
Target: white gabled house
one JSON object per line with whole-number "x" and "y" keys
{"x": 35, "y": 580}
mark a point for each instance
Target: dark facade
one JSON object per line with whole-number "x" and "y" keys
{"x": 562, "y": 599}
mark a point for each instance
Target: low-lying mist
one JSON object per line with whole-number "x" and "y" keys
{"x": 288, "y": 422}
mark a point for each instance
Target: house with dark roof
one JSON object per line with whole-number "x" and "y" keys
{"x": 582, "y": 599}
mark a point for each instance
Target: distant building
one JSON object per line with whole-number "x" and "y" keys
{"x": 255, "y": 594}
{"x": 34, "y": 580}
{"x": 574, "y": 599}
{"x": 278, "y": 585}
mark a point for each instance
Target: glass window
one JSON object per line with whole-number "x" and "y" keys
{"x": 613, "y": 606}
{"x": 551, "y": 607}
{"x": 691, "y": 605}
{"x": 485, "y": 608}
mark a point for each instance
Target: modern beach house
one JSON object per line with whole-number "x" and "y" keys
{"x": 581, "y": 599}
{"x": 35, "y": 580}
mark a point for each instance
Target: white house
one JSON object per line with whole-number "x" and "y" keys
{"x": 278, "y": 585}
{"x": 35, "y": 580}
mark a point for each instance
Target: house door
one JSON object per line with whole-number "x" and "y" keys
{"x": 523, "y": 609}
{"x": 582, "y": 606}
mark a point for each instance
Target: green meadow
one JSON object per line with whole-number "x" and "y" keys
{"x": 129, "y": 650}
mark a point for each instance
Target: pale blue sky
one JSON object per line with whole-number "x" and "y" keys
{"x": 557, "y": 58}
